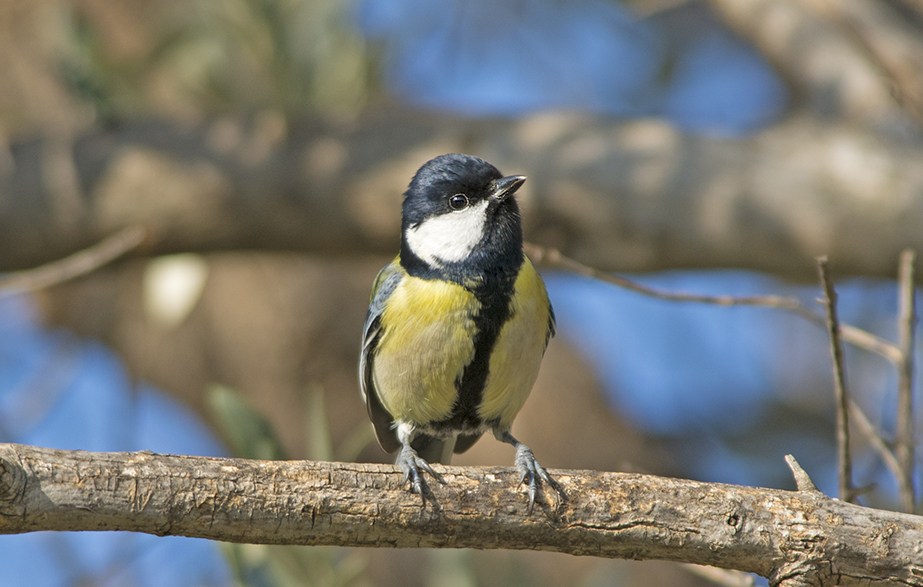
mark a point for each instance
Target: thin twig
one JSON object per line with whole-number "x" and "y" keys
{"x": 907, "y": 321}
{"x": 802, "y": 479}
{"x": 850, "y": 334}
{"x": 79, "y": 263}
{"x": 875, "y": 440}
{"x": 839, "y": 383}
{"x": 844, "y": 333}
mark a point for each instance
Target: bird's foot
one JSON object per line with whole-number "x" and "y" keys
{"x": 530, "y": 471}
{"x": 413, "y": 466}
{"x": 533, "y": 474}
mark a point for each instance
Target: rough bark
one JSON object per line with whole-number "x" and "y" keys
{"x": 628, "y": 196}
{"x": 794, "y": 538}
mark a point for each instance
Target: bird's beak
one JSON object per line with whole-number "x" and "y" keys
{"x": 506, "y": 186}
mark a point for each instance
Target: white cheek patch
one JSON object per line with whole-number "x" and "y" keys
{"x": 450, "y": 237}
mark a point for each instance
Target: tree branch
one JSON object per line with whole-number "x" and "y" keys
{"x": 802, "y": 479}
{"x": 621, "y": 196}
{"x": 851, "y": 334}
{"x": 828, "y": 70}
{"x": 907, "y": 323}
{"x": 786, "y": 536}
{"x": 890, "y": 43}
{"x": 874, "y": 439}
{"x": 80, "y": 263}
{"x": 841, "y": 399}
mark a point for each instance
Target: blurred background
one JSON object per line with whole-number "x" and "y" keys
{"x": 708, "y": 146}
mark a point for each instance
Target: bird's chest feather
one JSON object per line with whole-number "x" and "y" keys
{"x": 428, "y": 340}
{"x": 517, "y": 353}
{"x": 449, "y": 361}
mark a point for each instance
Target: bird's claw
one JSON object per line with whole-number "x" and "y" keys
{"x": 533, "y": 474}
{"x": 411, "y": 464}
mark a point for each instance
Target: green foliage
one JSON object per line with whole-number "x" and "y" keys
{"x": 257, "y": 565}
{"x": 249, "y": 434}
{"x": 450, "y": 568}
{"x": 320, "y": 443}
{"x": 294, "y": 57}
{"x": 289, "y": 55}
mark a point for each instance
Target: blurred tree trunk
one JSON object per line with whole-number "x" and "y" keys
{"x": 628, "y": 196}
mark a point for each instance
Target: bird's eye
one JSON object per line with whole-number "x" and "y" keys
{"x": 458, "y": 202}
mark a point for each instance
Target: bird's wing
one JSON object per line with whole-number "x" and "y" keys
{"x": 387, "y": 280}
{"x": 552, "y": 324}
{"x": 465, "y": 441}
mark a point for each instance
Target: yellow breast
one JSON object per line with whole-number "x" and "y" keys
{"x": 518, "y": 351}
{"x": 427, "y": 342}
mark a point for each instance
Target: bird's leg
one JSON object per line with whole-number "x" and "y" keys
{"x": 531, "y": 472}
{"x": 410, "y": 463}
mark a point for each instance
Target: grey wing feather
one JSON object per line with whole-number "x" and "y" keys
{"x": 382, "y": 421}
{"x": 465, "y": 441}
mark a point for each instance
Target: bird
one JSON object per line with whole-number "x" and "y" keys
{"x": 457, "y": 324}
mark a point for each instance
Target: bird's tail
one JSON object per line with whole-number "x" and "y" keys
{"x": 434, "y": 450}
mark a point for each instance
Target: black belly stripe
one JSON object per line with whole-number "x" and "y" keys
{"x": 494, "y": 313}
{"x": 493, "y": 267}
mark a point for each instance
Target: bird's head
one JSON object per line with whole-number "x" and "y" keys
{"x": 460, "y": 209}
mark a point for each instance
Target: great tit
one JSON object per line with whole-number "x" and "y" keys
{"x": 458, "y": 322}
